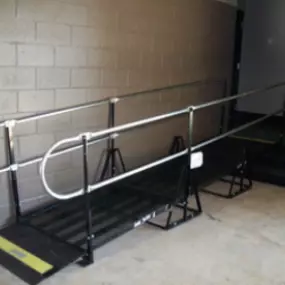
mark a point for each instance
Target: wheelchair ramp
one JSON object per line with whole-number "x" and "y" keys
{"x": 32, "y": 256}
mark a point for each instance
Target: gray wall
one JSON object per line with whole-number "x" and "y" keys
{"x": 241, "y": 4}
{"x": 263, "y": 55}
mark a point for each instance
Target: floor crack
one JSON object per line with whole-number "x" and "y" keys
{"x": 213, "y": 218}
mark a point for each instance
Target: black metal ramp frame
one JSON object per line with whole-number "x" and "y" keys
{"x": 115, "y": 209}
{"x": 49, "y": 238}
{"x": 61, "y": 233}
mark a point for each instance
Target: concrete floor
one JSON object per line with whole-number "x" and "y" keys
{"x": 240, "y": 241}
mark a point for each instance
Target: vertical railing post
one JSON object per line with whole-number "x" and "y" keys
{"x": 188, "y": 187}
{"x": 192, "y": 187}
{"x": 11, "y": 159}
{"x": 190, "y": 143}
{"x": 88, "y": 209}
{"x": 111, "y": 141}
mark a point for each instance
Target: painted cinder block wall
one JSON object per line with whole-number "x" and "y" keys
{"x": 55, "y": 53}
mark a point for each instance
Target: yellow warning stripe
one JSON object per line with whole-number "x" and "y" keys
{"x": 24, "y": 256}
{"x": 253, "y": 140}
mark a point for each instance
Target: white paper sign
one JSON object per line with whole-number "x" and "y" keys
{"x": 197, "y": 160}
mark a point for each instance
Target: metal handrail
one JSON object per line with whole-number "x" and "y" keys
{"x": 238, "y": 96}
{"x": 60, "y": 152}
{"x": 240, "y": 128}
{"x": 101, "y": 102}
{"x": 171, "y": 87}
{"x": 137, "y": 170}
{"x": 236, "y": 130}
{"x": 97, "y": 103}
{"x": 102, "y": 134}
{"x": 115, "y": 130}
{"x": 140, "y": 123}
{"x": 37, "y": 159}
{"x": 10, "y": 124}
{"x": 61, "y": 111}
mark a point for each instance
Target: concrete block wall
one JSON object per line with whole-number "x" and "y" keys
{"x": 56, "y": 53}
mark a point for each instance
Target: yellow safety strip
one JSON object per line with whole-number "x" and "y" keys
{"x": 253, "y": 140}
{"x": 25, "y": 257}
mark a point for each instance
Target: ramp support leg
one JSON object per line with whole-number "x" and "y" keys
{"x": 239, "y": 176}
{"x": 190, "y": 187}
{"x": 188, "y": 213}
{"x": 113, "y": 156}
{"x": 177, "y": 145}
{"x": 197, "y": 198}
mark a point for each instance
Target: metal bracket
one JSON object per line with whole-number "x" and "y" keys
{"x": 114, "y": 136}
{"x": 10, "y": 123}
{"x": 114, "y": 100}
{"x": 87, "y": 135}
{"x": 91, "y": 237}
{"x": 14, "y": 167}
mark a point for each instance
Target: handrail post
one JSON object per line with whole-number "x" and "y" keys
{"x": 111, "y": 141}
{"x": 88, "y": 212}
{"x": 191, "y": 187}
{"x": 13, "y": 179}
{"x": 188, "y": 187}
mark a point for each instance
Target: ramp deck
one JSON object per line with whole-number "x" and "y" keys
{"x": 116, "y": 209}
